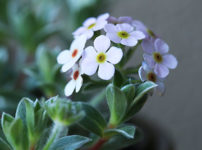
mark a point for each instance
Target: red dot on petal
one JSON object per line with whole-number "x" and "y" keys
{"x": 76, "y": 75}
{"x": 74, "y": 53}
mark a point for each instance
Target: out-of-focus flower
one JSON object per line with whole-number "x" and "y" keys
{"x": 157, "y": 57}
{"x": 69, "y": 57}
{"x": 76, "y": 81}
{"x": 140, "y": 26}
{"x": 147, "y": 74}
{"x": 92, "y": 24}
{"x": 123, "y": 19}
{"x": 124, "y": 34}
{"x": 101, "y": 56}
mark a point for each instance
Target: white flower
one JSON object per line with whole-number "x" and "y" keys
{"x": 76, "y": 81}
{"x": 100, "y": 56}
{"x": 69, "y": 57}
{"x": 124, "y": 34}
{"x": 92, "y": 24}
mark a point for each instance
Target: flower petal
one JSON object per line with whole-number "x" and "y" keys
{"x": 106, "y": 71}
{"x": 79, "y": 83}
{"x": 125, "y": 19}
{"x": 149, "y": 60}
{"x": 113, "y": 37}
{"x": 125, "y": 27}
{"x": 89, "y": 21}
{"x": 142, "y": 74}
{"x": 114, "y": 55}
{"x": 78, "y": 43}
{"x": 146, "y": 67}
{"x": 102, "y": 17}
{"x": 79, "y": 31}
{"x": 160, "y": 89}
{"x": 88, "y": 62}
{"x": 140, "y": 26}
{"x": 100, "y": 25}
{"x": 63, "y": 57}
{"x": 161, "y": 46}
{"x": 138, "y": 35}
{"x": 161, "y": 70}
{"x": 131, "y": 41}
{"x": 148, "y": 46}
{"x": 69, "y": 88}
{"x": 102, "y": 43}
{"x": 110, "y": 28}
{"x": 68, "y": 65}
{"x": 170, "y": 61}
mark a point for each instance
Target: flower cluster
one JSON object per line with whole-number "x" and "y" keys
{"x": 101, "y": 43}
{"x": 157, "y": 60}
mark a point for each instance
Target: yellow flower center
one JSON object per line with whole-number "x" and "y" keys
{"x": 123, "y": 34}
{"x": 91, "y": 26}
{"x": 101, "y": 58}
{"x": 151, "y": 77}
{"x": 157, "y": 57}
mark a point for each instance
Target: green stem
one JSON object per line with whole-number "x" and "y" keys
{"x": 56, "y": 131}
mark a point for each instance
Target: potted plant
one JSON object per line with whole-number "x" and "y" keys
{"x": 103, "y": 94}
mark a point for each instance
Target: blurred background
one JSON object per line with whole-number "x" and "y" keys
{"x": 32, "y": 32}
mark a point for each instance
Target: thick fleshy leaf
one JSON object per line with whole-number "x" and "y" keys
{"x": 118, "y": 142}
{"x": 4, "y": 145}
{"x": 118, "y": 79}
{"x": 117, "y": 104}
{"x": 72, "y": 142}
{"x": 6, "y": 121}
{"x": 127, "y": 131}
{"x": 129, "y": 91}
{"x": 142, "y": 89}
{"x": 141, "y": 96}
{"x": 93, "y": 120}
{"x": 18, "y": 134}
{"x": 21, "y": 110}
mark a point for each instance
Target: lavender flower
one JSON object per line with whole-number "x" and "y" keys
{"x": 124, "y": 34}
{"x": 157, "y": 57}
{"x": 123, "y": 19}
{"x": 147, "y": 74}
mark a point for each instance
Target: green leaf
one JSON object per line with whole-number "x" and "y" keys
{"x": 129, "y": 91}
{"x": 21, "y": 111}
{"x": 45, "y": 64}
{"x": 69, "y": 143}
{"x": 117, "y": 103}
{"x": 141, "y": 96}
{"x": 118, "y": 79}
{"x": 18, "y": 135}
{"x": 118, "y": 142}
{"x": 93, "y": 120}
{"x": 4, "y": 145}
{"x": 6, "y": 121}
{"x": 143, "y": 89}
{"x": 127, "y": 131}
{"x": 30, "y": 117}
{"x": 64, "y": 111}
{"x": 136, "y": 107}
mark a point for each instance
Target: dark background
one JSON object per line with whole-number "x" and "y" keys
{"x": 179, "y": 23}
